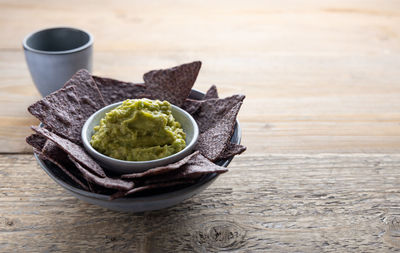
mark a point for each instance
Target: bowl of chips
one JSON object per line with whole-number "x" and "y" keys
{"x": 59, "y": 151}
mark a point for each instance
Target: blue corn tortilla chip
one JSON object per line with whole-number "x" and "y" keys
{"x": 173, "y": 84}
{"x": 185, "y": 171}
{"x": 87, "y": 91}
{"x": 36, "y": 141}
{"x": 232, "y": 150}
{"x": 120, "y": 194}
{"x": 67, "y": 156}
{"x": 79, "y": 182}
{"x": 65, "y": 111}
{"x": 114, "y": 91}
{"x": 212, "y": 92}
{"x": 106, "y": 182}
{"x": 61, "y": 112}
{"x": 77, "y": 152}
{"x": 56, "y": 155}
{"x": 214, "y": 141}
{"x": 191, "y": 105}
{"x": 160, "y": 170}
{"x": 194, "y": 168}
{"x": 214, "y": 110}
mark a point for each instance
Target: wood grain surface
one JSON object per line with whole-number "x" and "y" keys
{"x": 278, "y": 203}
{"x": 321, "y": 122}
{"x": 320, "y": 76}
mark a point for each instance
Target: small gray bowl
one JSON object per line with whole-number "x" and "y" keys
{"x": 117, "y": 166}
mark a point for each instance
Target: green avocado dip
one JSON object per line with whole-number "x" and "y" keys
{"x": 139, "y": 130}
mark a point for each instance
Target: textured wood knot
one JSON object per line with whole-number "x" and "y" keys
{"x": 219, "y": 235}
{"x": 110, "y": 238}
{"x": 392, "y": 234}
{"x": 7, "y": 223}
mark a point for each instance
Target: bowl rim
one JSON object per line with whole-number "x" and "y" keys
{"x": 129, "y": 199}
{"x": 163, "y": 160}
{"x": 86, "y": 45}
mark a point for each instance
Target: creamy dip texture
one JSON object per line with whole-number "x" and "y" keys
{"x": 139, "y": 130}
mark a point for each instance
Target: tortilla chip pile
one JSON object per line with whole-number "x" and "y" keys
{"x": 64, "y": 112}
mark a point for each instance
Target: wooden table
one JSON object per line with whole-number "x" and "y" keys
{"x": 321, "y": 122}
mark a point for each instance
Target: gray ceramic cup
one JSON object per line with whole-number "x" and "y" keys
{"x": 53, "y": 55}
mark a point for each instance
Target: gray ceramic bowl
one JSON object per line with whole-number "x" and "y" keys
{"x": 117, "y": 166}
{"x": 139, "y": 203}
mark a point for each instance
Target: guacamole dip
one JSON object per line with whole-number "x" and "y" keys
{"x": 139, "y": 130}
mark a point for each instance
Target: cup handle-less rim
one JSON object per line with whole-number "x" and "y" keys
{"x": 88, "y": 44}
